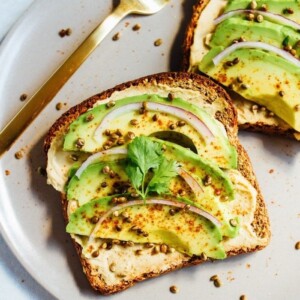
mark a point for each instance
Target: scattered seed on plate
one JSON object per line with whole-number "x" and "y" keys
{"x": 243, "y": 297}
{"x": 216, "y": 280}
{"x": 65, "y": 32}
{"x": 116, "y": 36}
{"x": 7, "y": 172}
{"x": 19, "y": 154}
{"x": 158, "y": 42}
{"x": 23, "y": 97}
{"x": 59, "y": 106}
{"x": 174, "y": 289}
{"x": 297, "y": 246}
{"x": 136, "y": 27}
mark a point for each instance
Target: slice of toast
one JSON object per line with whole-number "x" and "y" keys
{"x": 250, "y": 116}
{"x": 131, "y": 268}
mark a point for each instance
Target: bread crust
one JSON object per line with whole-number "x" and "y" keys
{"x": 228, "y": 117}
{"x": 284, "y": 131}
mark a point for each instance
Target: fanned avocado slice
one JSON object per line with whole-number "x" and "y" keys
{"x": 185, "y": 231}
{"x": 84, "y": 136}
{"x": 274, "y": 6}
{"x": 94, "y": 183}
{"x": 232, "y": 29}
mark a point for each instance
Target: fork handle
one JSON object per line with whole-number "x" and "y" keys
{"x": 51, "y": 87}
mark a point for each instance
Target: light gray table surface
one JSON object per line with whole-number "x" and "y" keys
{"x": 15, "y": 282}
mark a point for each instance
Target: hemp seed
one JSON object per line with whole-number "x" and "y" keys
{"x": 116, "y": 36}
{"x": 253, "y": 5}
{"x": 23, "y": 97}
{"x": 174, "y": 289}
{"x": 297, "y": 246}
{"x": 158, "y": 42}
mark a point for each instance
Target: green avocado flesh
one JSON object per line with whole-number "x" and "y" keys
{"x": 274, "y": 6}
{"x": 94, "y": 184}
{"x": 265, "y": 75}
{"x": 217, "y": 150}
{"x": 186, "y": 232}
{"x": 268, "y": 32}
{"x": 259, "y": 76}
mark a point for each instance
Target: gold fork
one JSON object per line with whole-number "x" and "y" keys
{"x": 50, "y": 88}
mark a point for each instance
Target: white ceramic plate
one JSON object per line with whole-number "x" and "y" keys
{"x": 31, "y": 220}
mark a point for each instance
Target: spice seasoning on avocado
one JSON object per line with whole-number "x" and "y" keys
{"x": 281, "y": 93}
{"x": 174, "y": 289}
{"x": 297, "y": 246}
{"x": 103, "y": 184}
{"x": 23, "y": 97}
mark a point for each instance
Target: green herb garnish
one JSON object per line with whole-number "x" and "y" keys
{"x": 147, "y": 168}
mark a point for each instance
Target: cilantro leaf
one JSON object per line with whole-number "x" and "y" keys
{"x": 135, "y": 175}
{"x": 162, "y": 176}
{"x": 146, "y": 160}
{"x": 144, "y": 153}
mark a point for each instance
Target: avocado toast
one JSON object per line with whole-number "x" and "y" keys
{"x": 252, "y": 49}
{"x": 138, "y": 206}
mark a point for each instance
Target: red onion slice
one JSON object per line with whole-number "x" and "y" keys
{"x": 271, "y": 16}
{"x": 184, "y": 115}
{"x": 182, "y": 205}
{"x": 191, "y": 181}
{"x": 92, "y": 158}
{"x": 258, "y": 45}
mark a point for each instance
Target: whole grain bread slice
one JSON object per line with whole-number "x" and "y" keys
{"x": 248, "y": 118}
{"x": 216, "y": 101}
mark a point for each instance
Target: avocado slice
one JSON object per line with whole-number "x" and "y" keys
{"x": 187, "y": 232}
{"x": 262, "y": 77}
{"x": 274, "y": 6}
{"x": 268, "y": 32}
{"x": 81, "y": 135}
{"x": 93, "y": 183}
